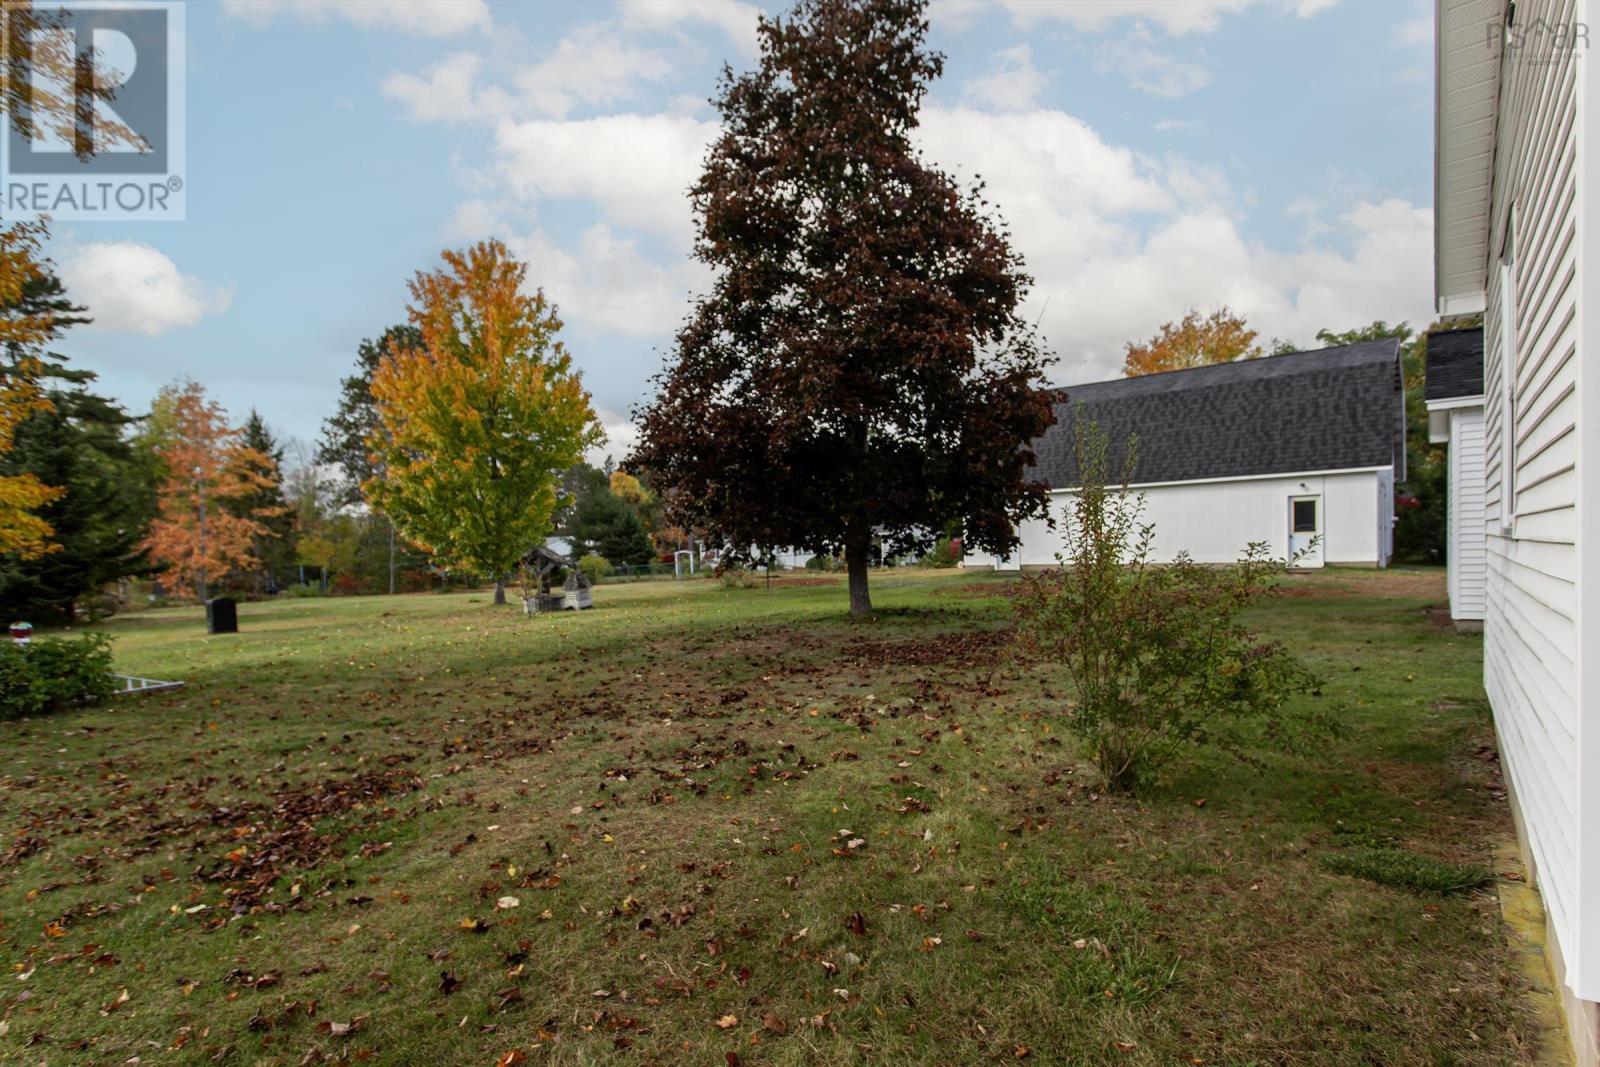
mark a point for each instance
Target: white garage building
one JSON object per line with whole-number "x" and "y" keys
{"x": 1454, "y": 393}
{"x": 1299, "y": 451}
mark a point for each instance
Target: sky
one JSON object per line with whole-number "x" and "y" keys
{"x": 1148, "y": 156}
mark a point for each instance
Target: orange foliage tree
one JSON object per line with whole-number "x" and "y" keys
{"x": 1220, "y": 337}
{"x": 206, "y": 464}
{"x": 476, "y": 425}
{"x": 22, "y": 533}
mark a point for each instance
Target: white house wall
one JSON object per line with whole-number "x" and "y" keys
{"x": 1215, "y": 521}
{"x": 1468, "y": 552}
{"x": 1531, "y": 628}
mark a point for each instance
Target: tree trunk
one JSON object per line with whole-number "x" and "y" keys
{"x": 391, "y": 555}
{"x": 500, "y": 590}
{"x": 857, "y": 549}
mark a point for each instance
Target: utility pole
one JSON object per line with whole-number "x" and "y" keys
{"x": 200, "y": 491}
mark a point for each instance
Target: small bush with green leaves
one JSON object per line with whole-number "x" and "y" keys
{"x": 1404, "y": 869}
{"x": 595, "y": 568}
{"x": 1157, "y": 654}
{"x": 51, "y": 674}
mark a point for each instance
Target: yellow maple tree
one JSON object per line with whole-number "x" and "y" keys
{"x": 22, "y": 532}
{"x": 477, "y": 423}
{"x": 1193, "y": 341}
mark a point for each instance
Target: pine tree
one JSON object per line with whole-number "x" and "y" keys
{"x": 274, "y": 547}
{"x": 345, "y": 432}
{"x": 77, "y": 442}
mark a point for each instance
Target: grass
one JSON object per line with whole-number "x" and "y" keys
{"x": 737, "y": 829}
{"x": 1405, "y": 869}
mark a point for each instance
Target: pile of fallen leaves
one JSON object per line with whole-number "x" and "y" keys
{"x": 280, "y": 838}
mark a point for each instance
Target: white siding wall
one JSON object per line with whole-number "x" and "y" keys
{"x": 1468, "y": 552}
{"x": 1214, "y": 521}
{"x": 1531, "y": 651}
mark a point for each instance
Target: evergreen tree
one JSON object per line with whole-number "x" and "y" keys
{"x": 99, "y": 521}
{"x": 344, "y": 443}
{"x": 275, "y": 548}
{"x": 345, "y": 432}
{"x": 79, "y": 444}
{"x": 603, "y": 525}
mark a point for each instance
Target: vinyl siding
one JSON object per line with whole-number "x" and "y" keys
{"x": 1215, "y": 521}
{"x": 1531, "y": 653}
{"x": 1468, "y": 552}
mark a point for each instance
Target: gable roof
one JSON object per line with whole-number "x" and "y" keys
{"x": 1330, "y": 409}
{"x": 1455, "y": 364}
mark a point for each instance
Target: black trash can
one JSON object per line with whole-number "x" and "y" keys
{"x": 222, "y": 615}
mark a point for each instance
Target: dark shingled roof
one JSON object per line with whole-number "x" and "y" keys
{"x": 1331, "y": 409}
{"x": 1455, "y": 364}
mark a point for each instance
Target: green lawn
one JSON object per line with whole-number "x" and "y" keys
{"x": 709, "y": 826}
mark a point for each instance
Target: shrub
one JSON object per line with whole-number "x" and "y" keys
{"x": 1157, "y": 654}
{"x": 54, "y": 673}
{"x": 595, "y": 568}
{"x": 946, "y": 552}
{"x": 735, "y": 576}
{"x": 1404, "y": 869}
{"x": 822, "y": 562}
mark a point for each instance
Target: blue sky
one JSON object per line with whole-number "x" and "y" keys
{"x": 1148, "y": 155}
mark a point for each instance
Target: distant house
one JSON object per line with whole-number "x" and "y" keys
{"x": 1300, "y": 452}
{"x": 1454, "y": 393}
{"x": 1517, "y": 233}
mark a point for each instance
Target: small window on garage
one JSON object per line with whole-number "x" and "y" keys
{"x": 1305, "y": 516}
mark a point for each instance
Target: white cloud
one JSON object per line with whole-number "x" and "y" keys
{"x": 608, "y": 284}
{"x": 637, "y": 169}
{"x": 621, "y": 436}
{"x": 1151, "y": 69}
{"x": 1099, "y": 302}
{"x": 1042, "y": 163}
{"x": 421, "y": 18}
{"x": 733, "y": 17}
{"x": 602, "y": 280}
{"x": 1013, "y": 84}
{"x": 133, "y": 288}
{"x": 591, "y": 66}
{"x": 595, "y": 65}
{"x": 1182, "y": 126}
{"x": 445, "y": 93}
{"x": 1118, "y": 242}
{"x": 1173, "y": 16}
{"x": 956, "y": 15}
